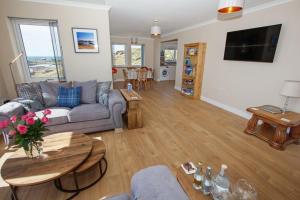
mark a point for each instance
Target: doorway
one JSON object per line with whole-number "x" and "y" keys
{"x": 168, "y": 60}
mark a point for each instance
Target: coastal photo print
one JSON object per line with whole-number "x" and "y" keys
{"x": 85, "y": 40}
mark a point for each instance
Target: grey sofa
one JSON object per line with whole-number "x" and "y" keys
{"x": 84, "y": 118}
{"x": 153, "y": 183}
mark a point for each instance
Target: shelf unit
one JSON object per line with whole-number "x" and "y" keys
{"x": 193, "y": 67}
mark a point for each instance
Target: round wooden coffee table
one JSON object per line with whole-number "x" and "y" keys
{"x": 97, "y": 157}
{"x": 62, "y": 154}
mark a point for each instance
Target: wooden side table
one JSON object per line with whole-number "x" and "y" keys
{"x": 287, "y": 127}
{"x": 134, "y": 111}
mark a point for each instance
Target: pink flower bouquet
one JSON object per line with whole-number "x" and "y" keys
{"x": 27, "y": 130}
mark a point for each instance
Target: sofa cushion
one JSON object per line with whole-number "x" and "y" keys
{"x": 11, "y": 108}
{"x": 87, "y": 112}
{"x": 30, "y": 91}
{"x": 88, "y": 93}
{"x": 29, "y": 105}
{"x": 103, "y": 89}
{"x": 157, "y": 183}
{"x": 68, "y": 97}
{"x": 50, "y": 92}
{"x": 58, "y": 116}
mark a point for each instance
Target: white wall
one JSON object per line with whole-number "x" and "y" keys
{"x": 237, "y": 85}
{"x": 3, "y": 92}
{"x": 84, "y": 66}
{"x": 148, "y": 51}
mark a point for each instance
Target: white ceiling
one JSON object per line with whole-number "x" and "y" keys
{"x": 135, "y": 17}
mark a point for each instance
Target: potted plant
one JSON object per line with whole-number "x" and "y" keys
{"x": 28, "y": 131}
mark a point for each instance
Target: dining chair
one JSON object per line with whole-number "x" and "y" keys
{"x": 150, "y": 76}
{"x": 126, "y": 79}
{"x": 130, "y": 76}
{"x": 142, "y": 78}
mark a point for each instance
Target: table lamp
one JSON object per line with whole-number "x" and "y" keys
{"x": 291, "y": 89}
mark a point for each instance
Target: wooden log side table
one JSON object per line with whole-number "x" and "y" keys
{"x": 62, "y": 154}
{"x": 134, "y": 111}
{"x": 287, "y": 127}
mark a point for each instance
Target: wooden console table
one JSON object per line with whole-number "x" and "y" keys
{"x": 287, "y": 127}
{"x": 134, "y": 111}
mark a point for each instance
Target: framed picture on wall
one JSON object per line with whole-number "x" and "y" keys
{"x": 85, "y": 40}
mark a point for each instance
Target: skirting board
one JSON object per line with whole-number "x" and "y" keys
{"x": 177, "y": 88}
{"x": 233, "y": 110}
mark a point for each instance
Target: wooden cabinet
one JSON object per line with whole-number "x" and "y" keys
{"x": 193, "y": 67}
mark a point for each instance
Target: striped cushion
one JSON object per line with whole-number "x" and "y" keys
{"x": 30, "y": 91}
{"x": 68, "y": 97}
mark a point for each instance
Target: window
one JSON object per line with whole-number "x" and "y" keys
{"x": 119, "y": 55}
{"x": 170, "y": 55}
{"x": 39, "y": 41}
{"x": 137, "y": 55}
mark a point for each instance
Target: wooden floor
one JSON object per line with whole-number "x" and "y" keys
{"x": 176, "y": 130}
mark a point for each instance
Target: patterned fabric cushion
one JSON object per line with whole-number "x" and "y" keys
{"x": 103, "y": 89}
{"x": 68, "y": 97}
{"x": 30, "y": 91}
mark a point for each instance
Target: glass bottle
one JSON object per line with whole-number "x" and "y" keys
{"x": 198, "y": 177}
{"x": 221, "y": 184}
{"x": 207, "y": 181}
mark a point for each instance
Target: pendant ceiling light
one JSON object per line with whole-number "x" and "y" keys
{"x": 230, "y": 6}
{"x": 155, "y": 29}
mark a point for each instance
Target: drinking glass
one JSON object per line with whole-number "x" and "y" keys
{"x": 244, "y": 191}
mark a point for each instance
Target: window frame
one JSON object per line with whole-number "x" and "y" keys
{"x": 16, "y": 22}
{"x": 142, "y": 55}
{"x": 126, "y": 55}
{"x": 175, "y": 52}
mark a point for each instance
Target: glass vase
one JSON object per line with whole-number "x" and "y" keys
{"x": 35, "y": 150}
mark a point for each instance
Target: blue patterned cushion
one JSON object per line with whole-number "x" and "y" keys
{"x": 103, "y": 89}
{"x": 68, "y": 97}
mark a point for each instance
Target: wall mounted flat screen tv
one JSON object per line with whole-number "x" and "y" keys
{"x": 257, "y": 44}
